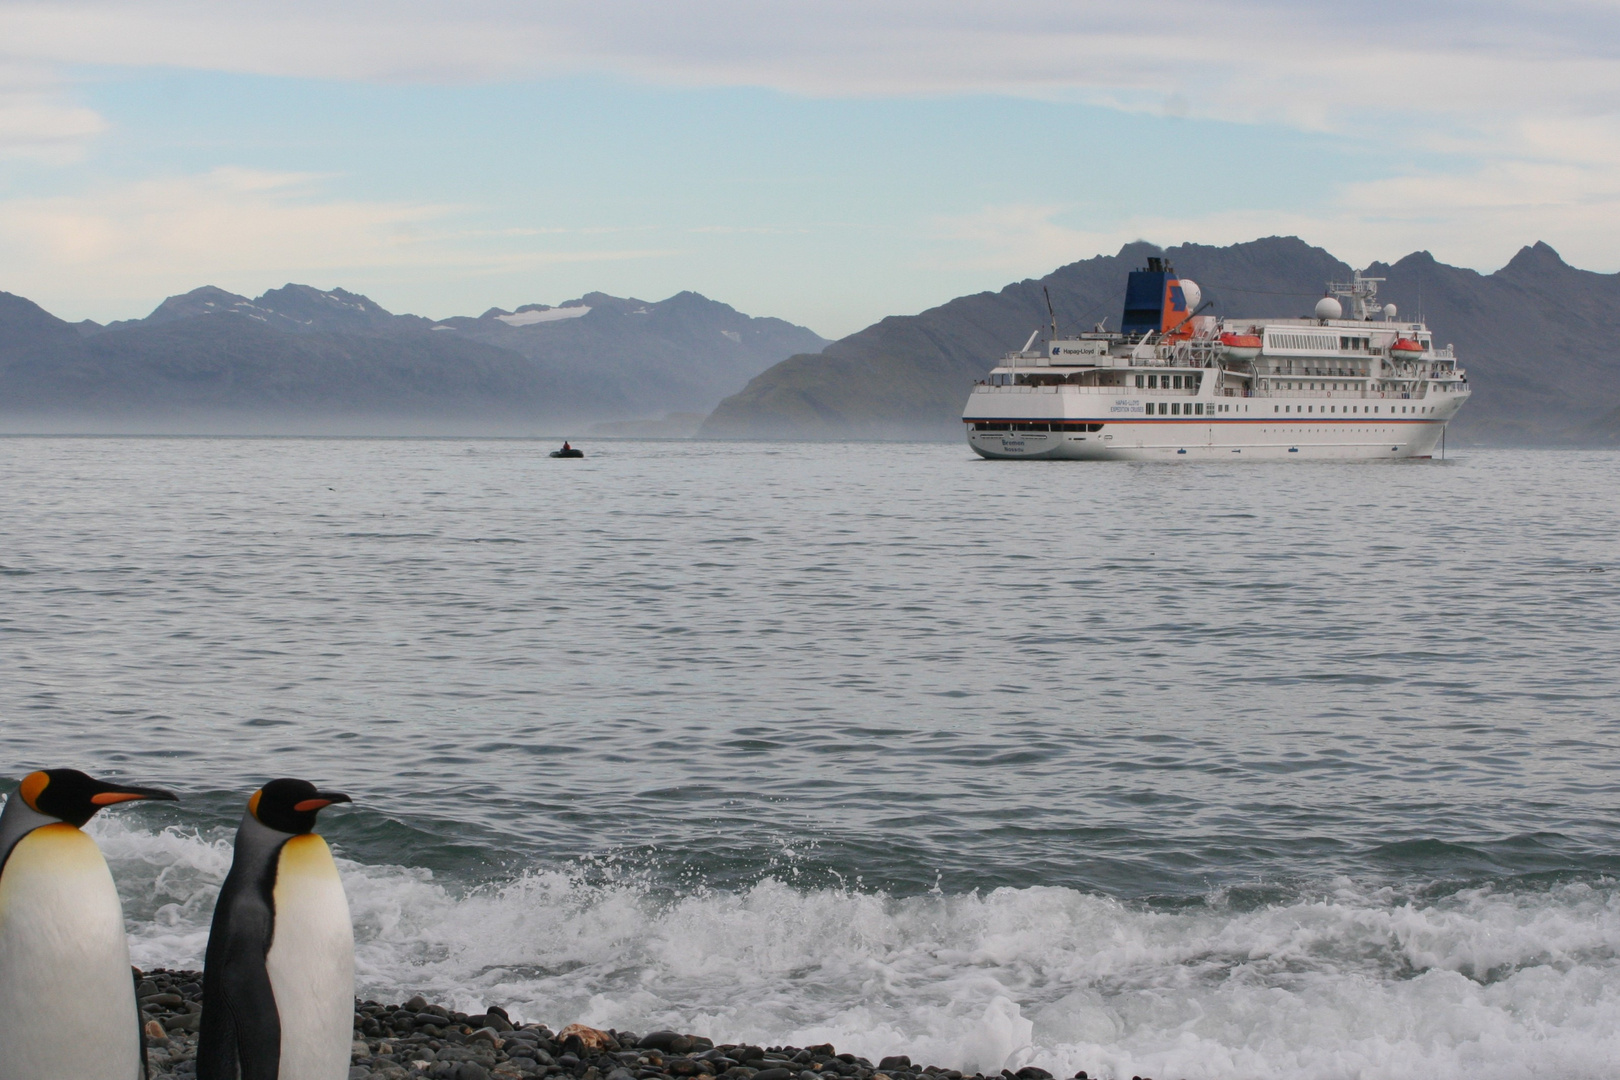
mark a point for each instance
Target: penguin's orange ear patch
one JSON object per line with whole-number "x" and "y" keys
{"x": 32, "y": 786}
{"x": 253, "y": 803}
{"x": 110, "y": 798}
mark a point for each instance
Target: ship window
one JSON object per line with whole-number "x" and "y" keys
{"x": 1199, "y": 409}
{"x": 1139, "y": 380}
{"x": 1175, "y": 408}
{"x": 1153, "y": 382}
{"x": 1175, "y": 382}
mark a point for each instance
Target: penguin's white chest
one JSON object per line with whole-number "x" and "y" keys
{"x": 67, "y": 1001}
{"x": 311, "y": 963}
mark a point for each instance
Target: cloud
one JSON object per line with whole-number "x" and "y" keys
{"x": 1407, "y": 77}
{"x": 1572, "y": 204}
{"x": 38, "y": 119}
{"x": 1302, "y": 63}
{"x": 127, "y": 246}
{"x": 1484, "y": 119}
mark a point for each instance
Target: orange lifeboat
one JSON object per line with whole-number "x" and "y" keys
{"x": 1241, "y": 346}
{"x": 1406, "y": 349}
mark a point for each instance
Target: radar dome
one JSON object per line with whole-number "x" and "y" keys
{"x": 1390, "y": 311}
{"x": 1329, "y": 308}
{"x": 1192, "y": 294}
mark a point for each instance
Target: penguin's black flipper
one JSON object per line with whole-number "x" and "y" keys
{"x": 239, "y": 1035}
{"x": 242, "y": 1039}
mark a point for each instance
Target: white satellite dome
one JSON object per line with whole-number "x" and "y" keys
{"x": 1329, "y": 308}
{"x": 1192, "y": 294}
{"x": 1390, "y": 312}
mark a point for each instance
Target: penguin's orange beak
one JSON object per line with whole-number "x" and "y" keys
{"x": 130, "y": 794}
{"x": 321, "y": 800}
{"x": 112, "y": 798}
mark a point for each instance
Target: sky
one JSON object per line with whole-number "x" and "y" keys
{"x": 827, "y": 162}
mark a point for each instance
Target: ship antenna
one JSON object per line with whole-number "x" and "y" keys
{"x": 1049, "y": 310}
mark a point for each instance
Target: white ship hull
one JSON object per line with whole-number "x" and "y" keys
{"x": 1219, "y": 440}
{"x": 1174, "y": 385}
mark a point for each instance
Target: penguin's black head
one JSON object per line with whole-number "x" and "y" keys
{"x": 290, "y": 806}
{"x": 71, "y": 796}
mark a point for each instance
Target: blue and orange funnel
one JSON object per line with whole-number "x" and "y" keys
{"x": 1154, "y": 301}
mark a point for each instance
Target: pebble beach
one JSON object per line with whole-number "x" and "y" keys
{"x": 417, "y": 1039}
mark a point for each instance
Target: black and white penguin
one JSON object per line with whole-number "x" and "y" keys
{"x": 278, "y": 981}
{"x": 67, "y": 999}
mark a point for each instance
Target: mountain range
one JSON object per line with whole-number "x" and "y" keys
{"x": 1535, "y": 337}
{"x": 301, "y": 359}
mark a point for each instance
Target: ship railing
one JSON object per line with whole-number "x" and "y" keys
{"x": 1301, "y": 371}
{"x": 1188, "y": 352}
{"x": 1331, "y": 395}
{"x": 1067, "y": 388}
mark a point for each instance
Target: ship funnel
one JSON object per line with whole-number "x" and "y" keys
{"x": 1157, "y": 301}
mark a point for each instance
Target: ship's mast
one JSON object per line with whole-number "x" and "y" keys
{"x": 1362, "y": 292}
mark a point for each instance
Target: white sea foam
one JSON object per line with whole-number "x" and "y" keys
{"x": 1349, "y": 983}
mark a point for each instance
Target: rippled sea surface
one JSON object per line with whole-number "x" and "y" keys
{"x": 1276, "y": 770}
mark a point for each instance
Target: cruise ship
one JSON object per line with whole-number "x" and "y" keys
{"x": 1175, "y": 384}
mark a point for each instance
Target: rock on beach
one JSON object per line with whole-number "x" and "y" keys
{"x": 415, "y": 1040}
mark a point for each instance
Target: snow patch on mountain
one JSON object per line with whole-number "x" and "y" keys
{"x": 531, "y": 316}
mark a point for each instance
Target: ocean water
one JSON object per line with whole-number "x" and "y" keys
{"x": 1274, "y": 770}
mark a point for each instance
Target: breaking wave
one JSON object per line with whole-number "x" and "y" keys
{"x": 1342, "y": 980}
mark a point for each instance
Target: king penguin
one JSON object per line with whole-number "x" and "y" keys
{"x": 278, "y": 979}
{"x": 67, "y": 999}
